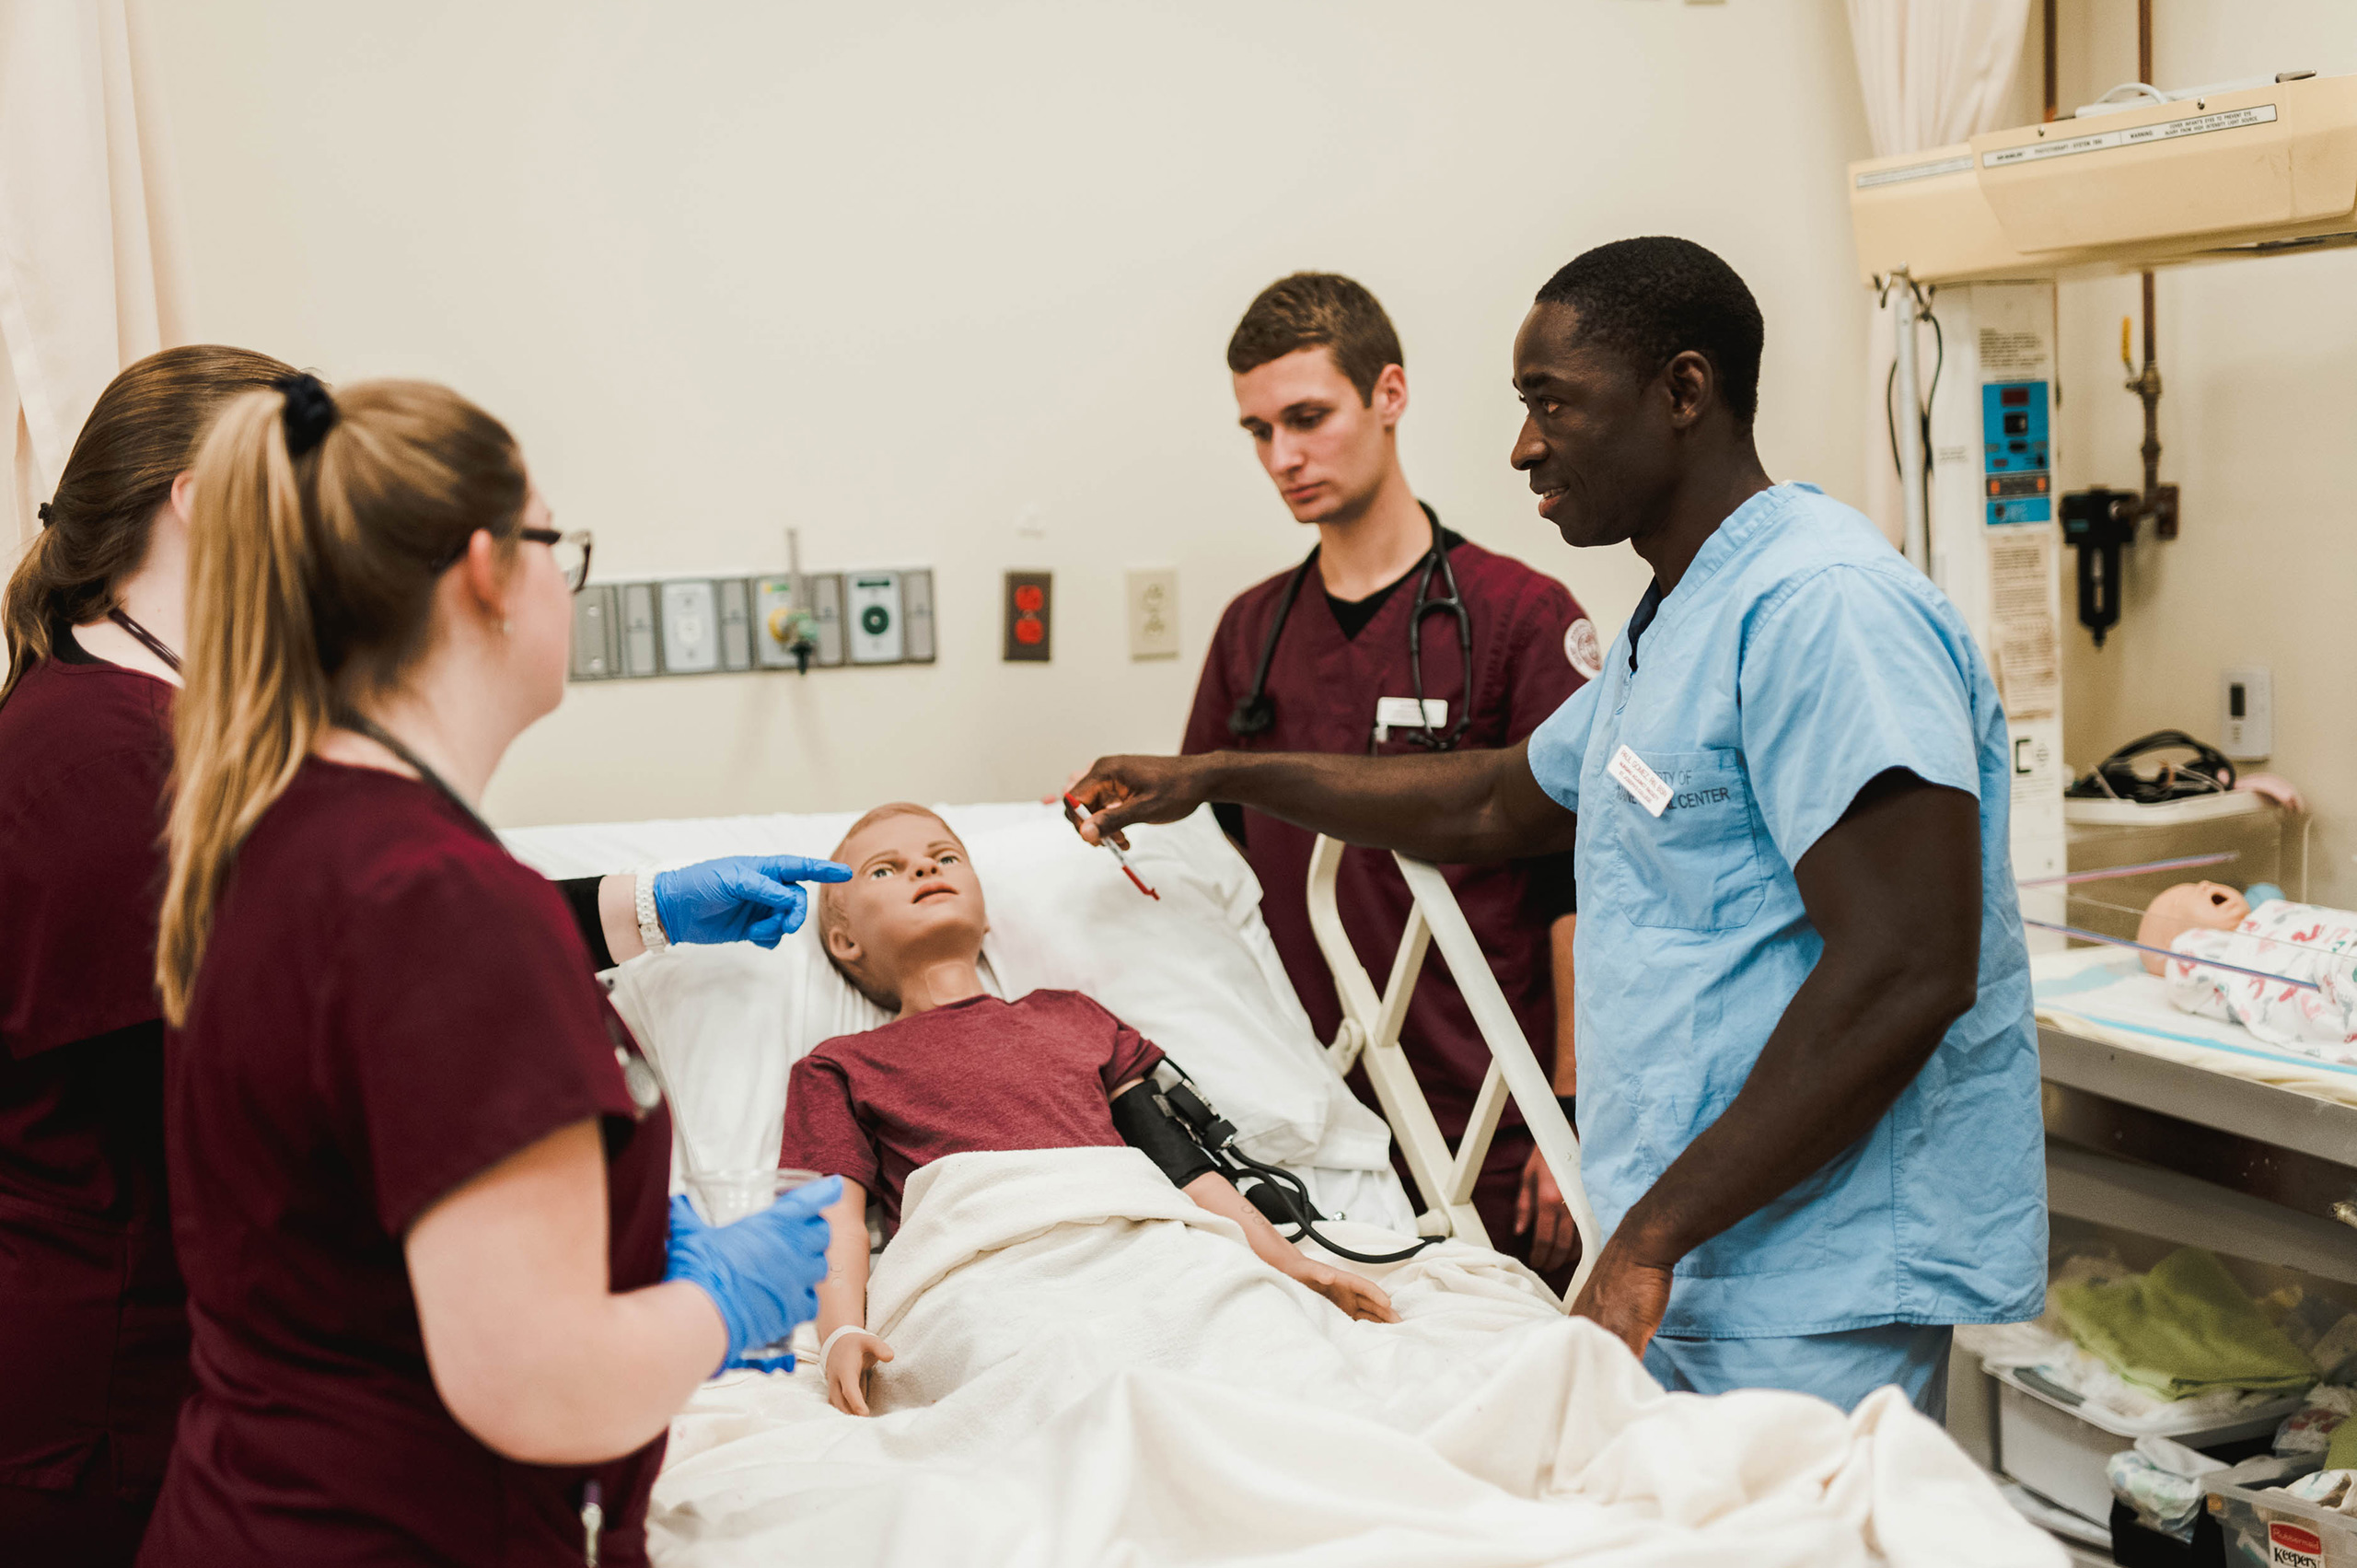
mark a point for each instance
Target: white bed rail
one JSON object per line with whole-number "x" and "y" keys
{"x": 1445, "y": 1177}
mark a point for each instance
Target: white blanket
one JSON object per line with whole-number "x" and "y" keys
{"x": 1092, "y": 1370}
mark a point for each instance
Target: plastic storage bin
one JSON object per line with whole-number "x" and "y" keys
{"x": 2268, "y": 1530}
{"x": 2057, "y": 1451}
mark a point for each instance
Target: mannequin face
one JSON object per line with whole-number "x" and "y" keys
{"x": 2207, "y": 906}
{"x": 912, "y": 899}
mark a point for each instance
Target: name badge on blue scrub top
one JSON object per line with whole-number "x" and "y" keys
{"x": 1402, "y": 713}
{"x": 1643, "y": 784}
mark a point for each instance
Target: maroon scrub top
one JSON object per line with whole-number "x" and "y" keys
{"x": 389, "y": 1005}
{"x": 1324, "y": 686}
{"x": 93, "y": 1335}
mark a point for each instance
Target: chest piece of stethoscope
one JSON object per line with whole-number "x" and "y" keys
{"x": 639, "y": 1081}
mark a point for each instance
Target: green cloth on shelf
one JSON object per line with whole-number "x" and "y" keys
{"x": 2183, "y": 1329}
{"x": 2341, "y": 1455}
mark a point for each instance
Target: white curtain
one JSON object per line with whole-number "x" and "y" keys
{"x": 1934, "y": 72}
{"x": 91, "y": 273}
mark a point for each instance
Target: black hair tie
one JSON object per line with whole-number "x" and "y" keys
{"x": 310, "y": 410}
{"x": 42, "y": 511}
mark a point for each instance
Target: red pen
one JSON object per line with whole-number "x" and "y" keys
{"x": 1118, "y": 855}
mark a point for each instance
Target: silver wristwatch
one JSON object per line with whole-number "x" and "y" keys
{"x": 650, "y": 924}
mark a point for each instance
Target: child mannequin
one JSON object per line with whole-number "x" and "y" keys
{"x": 907, "y": 931}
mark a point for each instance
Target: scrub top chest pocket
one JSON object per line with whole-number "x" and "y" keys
{"x": 1696, "y": 866}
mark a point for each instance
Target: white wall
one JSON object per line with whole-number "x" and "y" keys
{"x": 2259, "y": 400}
{"x": 908, "y": 278}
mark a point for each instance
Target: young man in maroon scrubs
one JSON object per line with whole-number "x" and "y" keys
{"x": 959, "y": 1071}
{"x": 1319, "y": 658}
{"x": 418, "y": 1169}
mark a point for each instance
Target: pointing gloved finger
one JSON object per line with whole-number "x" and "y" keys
{"x": 802, "y": 868}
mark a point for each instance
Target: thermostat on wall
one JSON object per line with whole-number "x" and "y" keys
{"x": 2245, "y": 713}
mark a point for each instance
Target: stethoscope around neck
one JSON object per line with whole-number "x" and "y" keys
{"x": 1258, "y": 713}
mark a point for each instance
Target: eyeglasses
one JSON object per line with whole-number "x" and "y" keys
{"x": 572, "y": 552}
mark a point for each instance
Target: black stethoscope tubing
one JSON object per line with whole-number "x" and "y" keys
{"x": 1258, "y": 713}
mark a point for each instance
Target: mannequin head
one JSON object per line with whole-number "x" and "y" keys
{"x": 2209, "y": 906}
{"x": 912, "y": 902}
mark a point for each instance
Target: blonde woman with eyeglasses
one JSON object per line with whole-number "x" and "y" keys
{"x": 442, "y": 1310}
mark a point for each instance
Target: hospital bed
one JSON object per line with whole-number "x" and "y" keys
{"x": 1091, "y": 1369}
{"x": 704, "y": 1012}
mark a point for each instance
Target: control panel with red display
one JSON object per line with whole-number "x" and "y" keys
{"x": 2018, "y": 480}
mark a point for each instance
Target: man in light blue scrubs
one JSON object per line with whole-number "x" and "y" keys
{"x": 1808, "y": 1072}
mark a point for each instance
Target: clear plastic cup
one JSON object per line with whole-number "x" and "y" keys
{"x": 724, "y": 1197}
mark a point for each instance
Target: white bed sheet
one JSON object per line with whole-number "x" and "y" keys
{"x": 1091, "y": 1370}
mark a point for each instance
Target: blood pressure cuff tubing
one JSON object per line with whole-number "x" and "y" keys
{"x": 1146, "y": 1124}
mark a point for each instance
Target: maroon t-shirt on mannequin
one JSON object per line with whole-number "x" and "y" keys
{"x": 389, "y": 1005}
{"x": 1036, "y": 1072}
{"x": 93, "y": 1338}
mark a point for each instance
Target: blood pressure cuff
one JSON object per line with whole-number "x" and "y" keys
{"x": 1147, "y": 1125}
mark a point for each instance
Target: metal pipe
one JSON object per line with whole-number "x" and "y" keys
{"x": 2050, "y": 87}
{"x": 1907, "y": 305}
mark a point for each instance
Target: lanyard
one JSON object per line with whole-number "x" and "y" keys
{"x": 359, "y": 723}
{"x": 145, "y": 639}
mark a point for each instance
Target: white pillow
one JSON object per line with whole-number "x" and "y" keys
{"x": 1194, "y": 971}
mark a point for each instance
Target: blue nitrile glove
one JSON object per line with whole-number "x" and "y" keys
{"x": 764, "y": 1271}
{"x": 739, "y": 898}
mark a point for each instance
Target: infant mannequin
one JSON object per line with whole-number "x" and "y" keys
{"x": 907, "y": 932}
{"x": 2211, "y": 906}
{"x": 2226, "y": 952}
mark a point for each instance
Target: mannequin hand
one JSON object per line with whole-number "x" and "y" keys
{"x": 741, "y": 897}
{"x": 761, "y": 1273}
{"x": 1626, "y": 1296}
{"x": 1362, "y": 1298}
{"x": 853, "y": 1358}
{"x": 1540, "y": 1213}
{"x": 1118, "y": 791}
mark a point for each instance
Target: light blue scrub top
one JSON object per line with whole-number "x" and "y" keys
{"x": 1799, "y": 656}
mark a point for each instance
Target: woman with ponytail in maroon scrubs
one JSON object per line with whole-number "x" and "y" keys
{"x": 93, "y": 1334}
{"x": 93, "y": 1337}
{"x": 441, "y": 1309}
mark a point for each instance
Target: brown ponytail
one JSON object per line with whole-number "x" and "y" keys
{"x": 311, "y": 583}
{"x": 142, "y": 434}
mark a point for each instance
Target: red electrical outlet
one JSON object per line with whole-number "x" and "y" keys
{"x": 1030, "y": 598}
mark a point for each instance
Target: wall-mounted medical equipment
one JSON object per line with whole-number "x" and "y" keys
{"x": 1991, "y": 539}
{"x": 2099, "y": 524}
{"x": 1974, "y": 235}
{"x": 725, "y": 626}
{"x": 2251, "y": 171}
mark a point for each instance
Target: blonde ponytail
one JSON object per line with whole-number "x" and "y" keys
{"x": 310, "y": 581}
